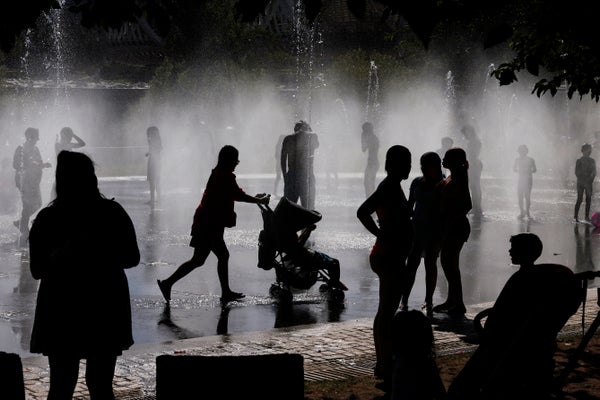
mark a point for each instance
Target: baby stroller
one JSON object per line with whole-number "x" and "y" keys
{"x": 282, "y": 249}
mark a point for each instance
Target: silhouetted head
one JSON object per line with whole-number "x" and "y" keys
{"x": 413, "y": 334}
{"x": 523, "y": 150}
{"x": 228, "y": 158}
{"x": 66, "y": 134}
{"x": 75, "y": 177}
{"x": 367, "y": 127}
{"x": 431, "y": 166}
{"x": 302, "y": 126}
{"x": 32, "y": 134}
{"x": 586, "y": 149}
{"x": 525, "y": 248}
{"x": 398, "y": 161}
{"x": 468, "y": 131}
{"x": 447, "y": 142}
{"x": 455, "y": 159}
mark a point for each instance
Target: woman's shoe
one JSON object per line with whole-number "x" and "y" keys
{"x": 232, "y": 296}
{"x": 457, "y": 310}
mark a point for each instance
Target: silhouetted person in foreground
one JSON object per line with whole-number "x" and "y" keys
{"x": 455, "y": 203}
{"x": 213, "y": 215}
{"x": 473, "y": 150}
{"x": 416, "y": 375}
{"x": 525, "y": 168}
{"x": 394, "y": 235}
{"x": 585, "y": 171}
{"x": 297, "y": 165}
{"x": 424, "y": 200}
{"x": 79, "y": 247}
{"x": 153, "y": 171}
{"x": 370, "y": 145}
{"x": 28, "y": 165}
{"x": 515, "y": 357}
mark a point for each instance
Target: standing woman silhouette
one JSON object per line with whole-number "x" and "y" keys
{"x": 79, "y": 247}
{"x": 455, "y": 204}
{"x": 388, "y": 256}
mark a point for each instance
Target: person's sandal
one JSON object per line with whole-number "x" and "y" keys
{"x": 232, "y": 296}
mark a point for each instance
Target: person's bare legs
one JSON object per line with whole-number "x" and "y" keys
{"x": 197, "y": 260}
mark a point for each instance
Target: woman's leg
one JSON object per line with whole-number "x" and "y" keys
{"x": 408, "y": 278}
{"x": 449, "y": 258}
{"x": 220, "y": 250}
{"x": 64, "y": 370}
{"x": 200, "y": 254}
{"x": 99, "y": 373}
{"x": 390, "y": 288}
{"x": 431, "y": 256}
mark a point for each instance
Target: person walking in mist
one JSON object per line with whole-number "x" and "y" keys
{"x": 394, "y": 238}
{"x": 79, "y": 247}
{"x": 455, "y": 204}
{"x": 297, "y": 165}
{"x": 370, "y": 145}
{"x": 28, "y": 166}
{"x": 213, "y": 215}
{"x": 153, "y": 169}
{"x": 525, "y": 168}
{"x": 585, "y": 171}
{"x": 424, "y": 200}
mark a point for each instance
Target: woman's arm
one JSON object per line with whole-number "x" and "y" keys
{"x": 78, "y": 142}
{"x": 365, "y": 214}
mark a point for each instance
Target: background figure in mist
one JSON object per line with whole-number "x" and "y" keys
{"x": 297, "y": 165}
{"x": 424, "y": 198}
{"x": 79, "y": 247}
{"x": 28, "y": 165}
{"x": 585, "y": 171}
{"x": 455, "y": 204}
{"x": 473, "y": 150}
{"x": 67, "y": 140}
{"x": 515, "y": 357}
{"x": 525, "y": 168}
{"x": 278, "y": 163}
{"x": 213, "y": 215}
{"x": 154, "y": 163}
{"x": 394, "y": 235}
{"x": 416, "y": 374}
{"x": 370, "y": 145}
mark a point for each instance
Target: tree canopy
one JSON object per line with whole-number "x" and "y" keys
{"x": 554, "y": 40}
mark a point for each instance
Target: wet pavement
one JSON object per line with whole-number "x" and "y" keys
{"x": 196, "y": 314}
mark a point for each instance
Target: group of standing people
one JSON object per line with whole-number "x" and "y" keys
{"x": 432, "y": 221}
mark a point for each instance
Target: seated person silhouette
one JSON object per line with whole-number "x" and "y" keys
{"x": 416, "y": 374}
{"x": 294, "y": 246}
{"x": 515, "y": 357}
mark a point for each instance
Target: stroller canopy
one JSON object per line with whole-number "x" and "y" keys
{"x": 294, "y": 217}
